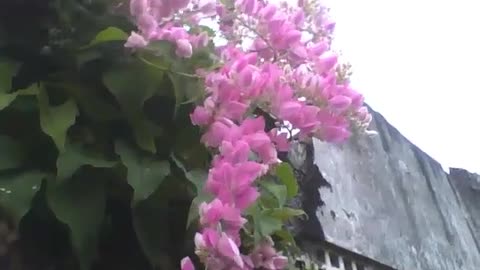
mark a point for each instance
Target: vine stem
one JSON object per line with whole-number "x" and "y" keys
{"x": 169, "y": 70}
{"x": 246, "y": 25}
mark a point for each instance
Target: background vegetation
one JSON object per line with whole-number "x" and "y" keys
{"x": 99, "y": 163}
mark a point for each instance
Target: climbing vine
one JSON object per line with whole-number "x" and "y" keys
{"x": 135, "y": 136}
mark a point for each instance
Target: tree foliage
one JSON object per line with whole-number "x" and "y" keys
{"x": 100, "y": 164}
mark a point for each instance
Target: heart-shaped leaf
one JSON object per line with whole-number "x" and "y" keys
{"x": 75, "y": 157}
{"x": 8, "y": 69}
{"x": 17, "y": 191}
{"x": 56, "y": 120}
{"x": 109, "y": 34}
{"x": 144, "y": 173}
{"x": 285, "y": 173}
{"x": 80, "y": 203}
{"x": 277, "y": 190}
{"x": 11, "y": 155}
{"x": 132, "y": 85}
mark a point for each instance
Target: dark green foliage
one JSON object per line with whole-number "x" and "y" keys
{"x": 100, "y": 166}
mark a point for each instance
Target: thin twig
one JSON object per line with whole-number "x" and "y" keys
{"x": 246, "y": 25}
{"x": 169, "y": 70}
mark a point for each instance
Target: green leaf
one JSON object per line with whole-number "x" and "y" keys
{"x": 80, "y": 203}
{"x": 187, "y": 89}
{"x": 277, "y": 190}
{"x": 132, "y": 85}
{"x": 108, "y": 34}
{"x": 75, "y": 157}
{"x": 159, "y": 222}
{"x": 198, "y": 178}
{"x": 55, "y": 121}
{"x": 265, "y": 224}
{"x": 7, "y": 98}
{"x": 181, "y": 72}
{"x": 285, "y": 213}
{"x": 89, "y": 99}
{"x": 193, "y": 213}
{"x": 11, "y": 155}
{"x": 285, "y": 173}
{"x": 8, "y": 69}
{"x": 286, "y": 236}
{"x": 188, "y": 147}
{"x": 163, "y": 50}
{"x": 17, "y": 191}
{"x": 144, "y": 173}
{"x": 86, "y": 56}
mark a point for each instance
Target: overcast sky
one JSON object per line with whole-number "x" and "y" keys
{"x": 416, "y": 61}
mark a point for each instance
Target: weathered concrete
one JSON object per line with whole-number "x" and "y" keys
{"x": 393, "y": 203}
{"x": 467, "y": 188}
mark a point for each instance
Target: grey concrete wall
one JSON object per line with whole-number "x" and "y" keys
{"x": 467, "y": 189}
{"x": 393, "y": 203}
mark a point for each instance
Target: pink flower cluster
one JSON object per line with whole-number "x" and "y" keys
{"x": 288, "y": 71}
{"x": 165, "y": 20}
{"x": 231, "y": 180}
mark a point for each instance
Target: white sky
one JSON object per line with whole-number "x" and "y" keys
{"x": 416, "y": 62}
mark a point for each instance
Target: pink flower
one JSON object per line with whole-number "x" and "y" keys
{"x": 318, "y": 49}
{"x": 235, "y": 151}
{"x": 292, "y": 37}
{"x": 229, "y": 249}
{"x": 325, "y": 62}
{"x": 138, "y": 7}
{"x": 245, "y": 77}
{"x": 268, "y": 12}
{"x": 216, "y": 134}
{"x": 264, "y": 256}
{"x": 262, "y": 145}
{"x": 233, "y": 110}
{"x": 340, "y": 103}
{"x": 136, "y": 41}
{"x": 218, "y": 249}
{"x": 161, "y": 9}
{"x": 178, "y": 4}
{"x": 362, "y": 114}
{"x": 147, "y": 25}
{"x": 200, "y": 116}
{"x": 186, "y": 264}
{"x": 247, "y": 6}
{"x": 253, "y": 125}
{"x": 298, "y": 18}
{"x": 212, "y": 213}
{"x": 201, "y": 40}
{"x": 289, "y": 109}
{"x": 334, "y": 134}
{"x": 184, "y": 48}
{"x": 207, "y": 7}
{"x": 232, "y": 184}
{"x": 280, "y": 140}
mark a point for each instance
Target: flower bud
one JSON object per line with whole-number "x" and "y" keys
{"x": 136, "y": 41}
{"x": 186, "y": 264}
{"x": 268, "y": 12}
{"x": 184, "y": 48}
{"x": 147, "y": 24}
{"x": 299, "y": 18}
{"x": 339, "y": 102}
